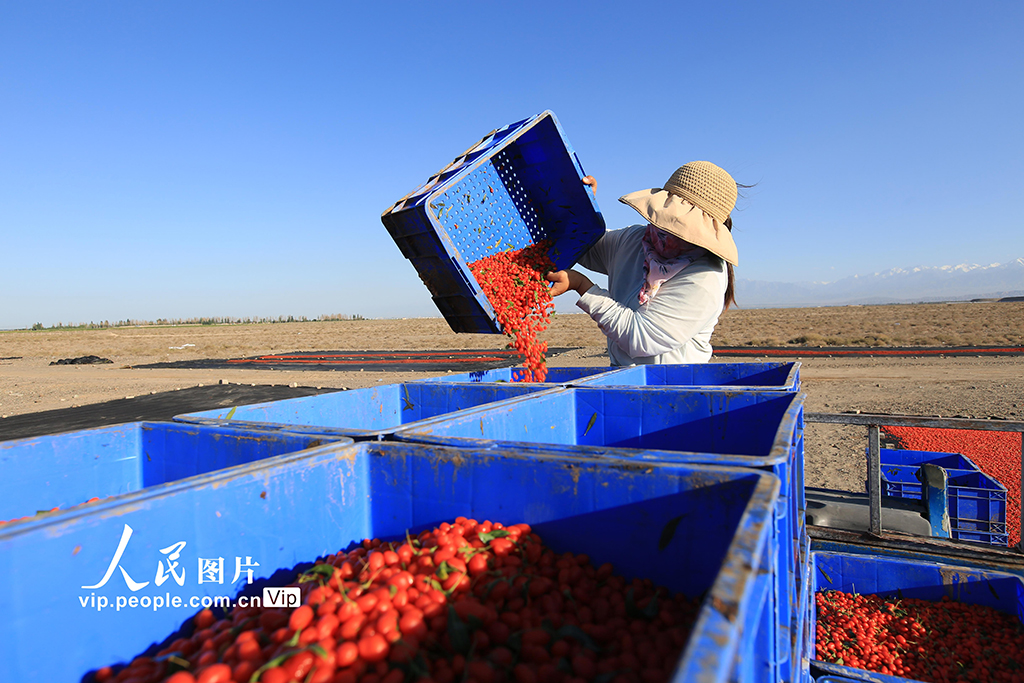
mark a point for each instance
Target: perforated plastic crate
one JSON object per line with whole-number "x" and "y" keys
{"x": 518, "y": 186}
{"x": 998, "y": 539}
{"x": 955, "y": 461}
{"x": 976, "y": 502}
{"x": 900, "y": 481}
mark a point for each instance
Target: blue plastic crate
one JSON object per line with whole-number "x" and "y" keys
{"x": 284, "y": 512}
{"x": 976, "y": 502}
{"x": 726, "y": 376}
{"x": 952, "y": 461}
{"x": 900, "y": 481}
{"x": 753, "y": 428}
{"x": 518, "y": 186}
{"x": 370, "y": 413}
{"x": 982, "y": 561}
{"x": 729, "y": 376}
{"x": 981, "y": 497}
{"x": 868, "y": 574}
{"x": 762, "y": 429}
{"x": 988, "y": 538}
{"x": 66, "y": 470}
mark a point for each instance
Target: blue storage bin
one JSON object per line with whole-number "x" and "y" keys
{"x": 727, "y": 376}
{"x": 976, "y": 502}
{"x": 65, "y": 470}
{"x": 986, "y": 537}
{"x": 731, "y": 376}
{"x": 750, "y": 428}
{"x": 555, "y": 376}
{"x": 762, "y": 429}
{"x": 370, "y": 413}
{"x": 518, "y": 186}
{"x": 951, "y": 461}
{"x": 900, "y": 481}
{"x": 871, "y": 575}
{"x": 282, "y": 513}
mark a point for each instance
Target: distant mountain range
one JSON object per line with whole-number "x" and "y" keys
{"x": 915, "y": 285}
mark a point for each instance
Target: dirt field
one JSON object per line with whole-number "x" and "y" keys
{"x": 968, "y": 387}
{"x": 950, "y": 324}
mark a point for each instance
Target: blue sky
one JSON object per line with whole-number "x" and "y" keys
{"x": 195, "y": 159}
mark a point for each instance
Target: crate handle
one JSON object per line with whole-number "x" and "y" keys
{"x": 935, "y": 492}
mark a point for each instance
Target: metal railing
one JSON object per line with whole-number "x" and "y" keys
{"x": 875, "y": 421}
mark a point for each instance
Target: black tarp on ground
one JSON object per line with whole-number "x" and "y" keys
{"x": 153, "y": 407}
{"x": 164, "y": 406}
{"x": 479, "y": 360}
{"x": 462, "y": 360}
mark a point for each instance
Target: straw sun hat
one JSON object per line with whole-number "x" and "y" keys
{"x": 693, "y": 206}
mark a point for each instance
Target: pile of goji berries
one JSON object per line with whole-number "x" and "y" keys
{"x": 929, "y": 641}
{"x": 469, "y": 602}
{"x": 516, "y": 286}
{"x": 997, "y": 454}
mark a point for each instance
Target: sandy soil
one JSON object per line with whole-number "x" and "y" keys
{"x": 968, "y": 387}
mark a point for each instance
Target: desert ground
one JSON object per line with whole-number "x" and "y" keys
{"x": 978, "y": 387}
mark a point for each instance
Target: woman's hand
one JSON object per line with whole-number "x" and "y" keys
{"x": 564, "y": 280}
{"x": 560, "y": 282}
{"x": 592, "y": 182}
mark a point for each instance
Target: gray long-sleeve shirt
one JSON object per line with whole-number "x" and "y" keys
{"x": 675, "y": 326}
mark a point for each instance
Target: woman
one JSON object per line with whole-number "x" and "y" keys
{"x": 669, "y": 280}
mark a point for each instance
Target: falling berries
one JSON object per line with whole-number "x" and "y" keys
{"x": 515, "y": 285}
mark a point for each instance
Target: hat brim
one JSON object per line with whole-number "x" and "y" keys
{"x": 678, "y": 217}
